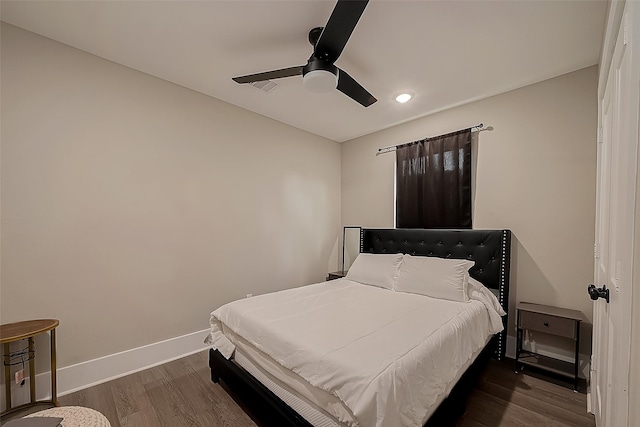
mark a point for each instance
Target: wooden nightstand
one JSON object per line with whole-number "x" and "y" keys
{"x": 550, "y": 320}
{"x": 336, "y": 275}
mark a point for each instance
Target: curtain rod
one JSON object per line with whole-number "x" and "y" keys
{"x": 383, "y": 150}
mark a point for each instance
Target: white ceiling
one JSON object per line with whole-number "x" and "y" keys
{"x": 446, "y": 52}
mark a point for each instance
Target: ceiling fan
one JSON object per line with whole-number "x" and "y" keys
{"x": 320, "y": 74}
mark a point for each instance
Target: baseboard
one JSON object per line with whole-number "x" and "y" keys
{"x": 552, "y": 352}
{"x": 92, "y": 372}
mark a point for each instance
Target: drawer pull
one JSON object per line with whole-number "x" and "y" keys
{"x": 546, "y": 324}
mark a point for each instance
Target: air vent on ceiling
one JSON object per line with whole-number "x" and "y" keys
{"x": 265, "y": 85}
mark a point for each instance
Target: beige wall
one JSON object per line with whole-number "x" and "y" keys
{"x": 534, "y": 174}
{"x": 132, "y": 207}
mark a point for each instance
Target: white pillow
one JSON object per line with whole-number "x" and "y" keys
{"x": 435, "y": 277}
{"x": 375, "y": 269}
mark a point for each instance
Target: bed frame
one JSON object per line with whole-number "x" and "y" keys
{"x": 490, "y": 249}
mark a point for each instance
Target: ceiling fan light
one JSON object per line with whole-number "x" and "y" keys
{"x": 320, "y": 81}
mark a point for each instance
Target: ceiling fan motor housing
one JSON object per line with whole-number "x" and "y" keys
{"x": 319, "y": 76}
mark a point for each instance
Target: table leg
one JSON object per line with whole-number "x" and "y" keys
{"x": 576, "y": 362}
{"x": 54, "y": 386}
{"x": 7, "y": 376}
{"x": 518, "y": 340}
{"x": 32, "y": 370}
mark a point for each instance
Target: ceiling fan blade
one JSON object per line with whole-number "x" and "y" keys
{"x": 269, "y": 75}
{"x": 351, "y": 88}
{"x": 336, "y": 33}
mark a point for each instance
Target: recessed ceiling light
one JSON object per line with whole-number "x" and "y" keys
{"x": 404, "y": 97}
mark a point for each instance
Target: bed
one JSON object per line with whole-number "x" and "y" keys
{"x": 273, "y": 364}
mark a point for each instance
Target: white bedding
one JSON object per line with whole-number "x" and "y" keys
{"x": 308, "y": 401}
{"x": 386, "y": 355}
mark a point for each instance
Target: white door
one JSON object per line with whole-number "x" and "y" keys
{"x": 617, "y": 167}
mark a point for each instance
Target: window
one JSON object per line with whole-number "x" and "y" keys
{"x": 433, "y": 182}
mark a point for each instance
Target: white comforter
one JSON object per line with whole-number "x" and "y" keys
{"x": 387, "y": 355}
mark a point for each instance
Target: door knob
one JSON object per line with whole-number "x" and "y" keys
{"x": 596, "y": 293}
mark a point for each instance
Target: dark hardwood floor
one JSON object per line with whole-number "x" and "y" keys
{"x": 180, "y": 393}
{"x": 504, "y": 398}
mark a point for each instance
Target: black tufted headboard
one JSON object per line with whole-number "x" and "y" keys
{"x": 490, "y": 249}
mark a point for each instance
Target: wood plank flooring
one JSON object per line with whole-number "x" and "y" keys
{"x": 180, "y": 393}
{"x": 503, "y": 398}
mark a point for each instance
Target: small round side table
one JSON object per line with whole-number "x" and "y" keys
{"x": 28, "y": 329}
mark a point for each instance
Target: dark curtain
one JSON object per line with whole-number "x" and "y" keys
{"x": 433, "y": 182}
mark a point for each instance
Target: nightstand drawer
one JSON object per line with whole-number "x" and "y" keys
{"x": 549, "y": 324}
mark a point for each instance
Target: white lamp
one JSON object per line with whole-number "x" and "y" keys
{"x": 319, "y": 76}
{"x": 320, "y": 81}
